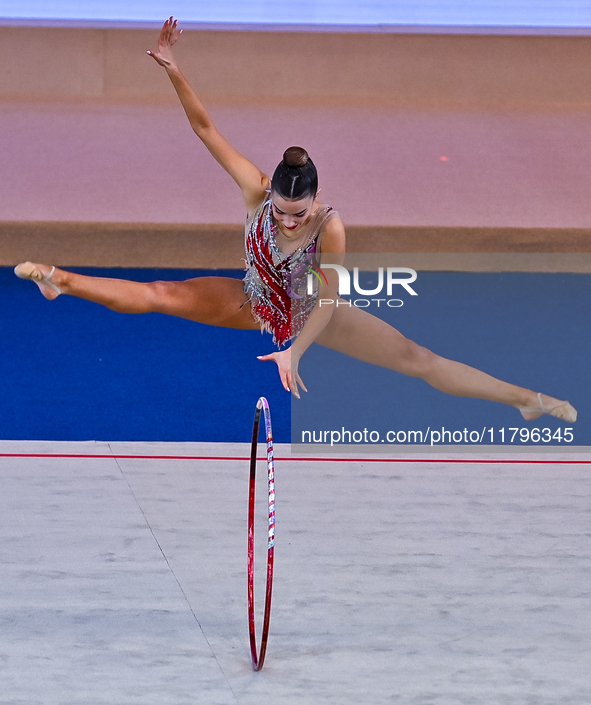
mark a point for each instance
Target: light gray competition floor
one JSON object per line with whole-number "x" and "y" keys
{"x": 124, "y": 580}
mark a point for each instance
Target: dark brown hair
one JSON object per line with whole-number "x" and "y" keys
{"x": 296, "y": 176}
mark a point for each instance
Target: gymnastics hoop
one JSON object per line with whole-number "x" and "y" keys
{"x": 258, "y": 659}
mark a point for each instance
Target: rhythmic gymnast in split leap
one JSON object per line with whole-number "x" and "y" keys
{"x": 286, "y": 228}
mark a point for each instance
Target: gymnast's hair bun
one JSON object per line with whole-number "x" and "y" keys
{"x": 295, "y": 157}
{"x": 295, "y": 176}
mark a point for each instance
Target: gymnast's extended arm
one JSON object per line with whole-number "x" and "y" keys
{"x": 249, "y": 177}
{"x": 332, "y": 252}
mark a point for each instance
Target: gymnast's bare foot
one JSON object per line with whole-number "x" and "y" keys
{"x": 549, "y": 405}
{"x": 42, "y": 275}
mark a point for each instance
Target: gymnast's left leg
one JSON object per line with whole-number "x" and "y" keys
{"x": 359, "y": 334}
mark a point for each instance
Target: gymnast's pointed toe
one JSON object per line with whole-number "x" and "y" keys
{"x": 562, "y": 410}
{"x": 29, "y": 270}
{"x": 565, "y": 411}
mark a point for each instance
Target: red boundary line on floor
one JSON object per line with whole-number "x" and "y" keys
{"x": 311, "y": 459}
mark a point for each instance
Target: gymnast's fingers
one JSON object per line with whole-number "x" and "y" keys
{"x": 264, "y": 358}
{"x": 294, "y": 385}
{"x": 285, "y": 380}
{"x": 299, "y": 379}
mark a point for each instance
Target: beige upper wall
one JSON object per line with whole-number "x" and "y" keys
{"x": 415, "y": 131}
{"x": 407, "y": 69}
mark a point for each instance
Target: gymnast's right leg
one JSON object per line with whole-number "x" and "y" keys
{"x": 218, "y": 301}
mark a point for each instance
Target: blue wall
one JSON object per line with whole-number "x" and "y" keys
{"x": 72, "y": 370}
{"x": 534, "y": 13}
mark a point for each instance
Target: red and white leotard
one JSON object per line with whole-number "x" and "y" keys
{"x": 276, "y": 284}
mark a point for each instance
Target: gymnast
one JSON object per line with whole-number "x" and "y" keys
{"x": 287, "y": 228}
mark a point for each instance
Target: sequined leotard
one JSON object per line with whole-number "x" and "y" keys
{"x": 276, "y": 284}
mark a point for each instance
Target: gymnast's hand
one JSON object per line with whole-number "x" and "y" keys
{"x": 288, "y": 370}
{"x": 168, "y": 37}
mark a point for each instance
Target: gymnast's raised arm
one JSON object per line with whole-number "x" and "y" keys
{"x": 250, "y": 178}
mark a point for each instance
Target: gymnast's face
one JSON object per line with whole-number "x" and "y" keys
{"x": 291, "y": 214}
